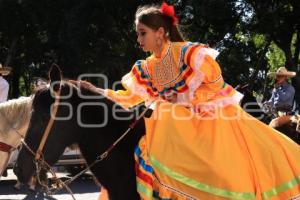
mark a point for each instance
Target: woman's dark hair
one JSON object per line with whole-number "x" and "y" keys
{"x": 152, "y": 17}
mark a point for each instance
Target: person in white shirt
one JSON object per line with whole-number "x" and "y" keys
{"x": 4, "y": 85}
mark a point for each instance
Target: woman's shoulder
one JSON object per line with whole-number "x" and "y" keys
{"x": 187, "y": 49}
{"x": 139, "y": 69}
{"x": 180, "y": 45}
{"x": 186, "y": 45}
{"x": 139, "y": 63}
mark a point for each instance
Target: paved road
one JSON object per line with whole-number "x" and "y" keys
{"x": 84, "y": 189}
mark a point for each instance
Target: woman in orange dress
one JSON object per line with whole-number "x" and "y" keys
{"x": 199, "y": 143}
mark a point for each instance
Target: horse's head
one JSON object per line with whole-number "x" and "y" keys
{"x": 83, "y": 117}
{"x": 42, "y": 111}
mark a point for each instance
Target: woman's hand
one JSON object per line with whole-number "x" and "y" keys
{"x": 87, "y": 85}
{"x": 170, "y": 97}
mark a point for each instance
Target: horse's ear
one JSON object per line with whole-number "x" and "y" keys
{"x": 55, "y": 76}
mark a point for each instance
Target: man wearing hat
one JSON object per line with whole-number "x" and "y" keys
{"x": 4, "y": 86}
{"x": 282, "y": 98}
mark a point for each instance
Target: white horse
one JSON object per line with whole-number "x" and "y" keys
{"x": 14, "y": 121}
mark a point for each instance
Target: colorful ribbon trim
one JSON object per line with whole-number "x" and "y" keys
{"x": 201, "y": 186}
{"x": 145, "y": 191}
{"x": 281, "y": 188}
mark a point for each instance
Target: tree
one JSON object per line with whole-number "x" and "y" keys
{"x": 279, "y": 21}
{"x": 96, "y": 36}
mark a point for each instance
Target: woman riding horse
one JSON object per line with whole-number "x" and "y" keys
{"x": 197, "y": 138}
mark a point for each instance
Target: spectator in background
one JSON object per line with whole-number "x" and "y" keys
{"x": 283, "y": 94}
{"x": 4, "y": 85}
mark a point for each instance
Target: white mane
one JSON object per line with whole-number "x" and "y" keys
{"x": 14, "y": 113}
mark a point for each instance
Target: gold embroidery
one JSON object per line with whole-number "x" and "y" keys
{"x": 166, "y": 72}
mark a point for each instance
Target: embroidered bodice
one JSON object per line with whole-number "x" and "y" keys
{"x": 187, "y": 69}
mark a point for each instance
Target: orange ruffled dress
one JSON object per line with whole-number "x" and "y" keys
{"x": 203, "y": 145}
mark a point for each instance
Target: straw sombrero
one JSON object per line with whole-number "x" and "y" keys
{"x": 282, "y": 71}
{"x": 4, "y": 71}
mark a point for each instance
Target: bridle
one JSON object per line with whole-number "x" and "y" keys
{"x": 49, "y": 125}
{"x": 38, "y": 158}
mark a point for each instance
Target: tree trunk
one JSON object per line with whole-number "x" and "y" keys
{"x": 259, "y": 64}
{"x": 11, "y": 51}
{"x": 297, "y": 49}
{"x": 15, "y": 81}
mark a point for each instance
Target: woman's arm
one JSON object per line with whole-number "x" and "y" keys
{"x": 126, "y": 98}
{"x": 123, "y": 97}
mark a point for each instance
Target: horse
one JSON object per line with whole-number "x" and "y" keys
{"x": 91, "y": 120}
{"x": 14, "y": 121}
{"x": 14, "y": 117}
{"x": 288, "y": 125}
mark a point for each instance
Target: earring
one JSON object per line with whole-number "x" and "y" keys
{"x": 159, "y": 42}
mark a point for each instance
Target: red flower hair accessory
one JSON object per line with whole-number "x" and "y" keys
{"x": 170, "y": 12}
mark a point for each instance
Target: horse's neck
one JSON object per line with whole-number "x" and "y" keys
{"x": 100, "y": 139}
{"x": 13, "y": 121}
{"x": 12, "y": 136}
{"x": 15, "y": 116}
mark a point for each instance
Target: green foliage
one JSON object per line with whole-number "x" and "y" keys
{"x": 276, "y": 57}
{"x": 259, "y": 40}
{"x": 98, "y": 36}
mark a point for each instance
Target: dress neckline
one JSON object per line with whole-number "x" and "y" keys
{"x": 164, "y": 52}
